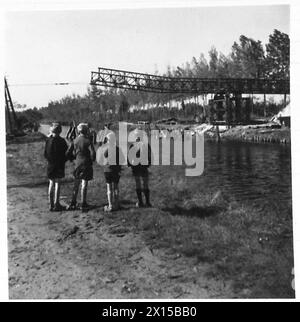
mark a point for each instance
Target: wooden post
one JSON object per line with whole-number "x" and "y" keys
{"x": 8, "y": 113}
{"x": 284, "y": 99}
{"x": 265, "y": 105}
{"x": 218, "y": 134}
{"x": 11, "y": 104}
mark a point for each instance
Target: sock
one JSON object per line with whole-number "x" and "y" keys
{"x": 109, "y": 198}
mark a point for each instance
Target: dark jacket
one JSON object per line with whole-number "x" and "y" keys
{"x": 55, "y": 153}
{"x": 55, "y": 150}
{"x": 82, "y": 150}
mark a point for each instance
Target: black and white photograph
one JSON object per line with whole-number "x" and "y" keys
{"x": 148, "y": 153}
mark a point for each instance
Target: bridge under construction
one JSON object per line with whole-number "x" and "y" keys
{"x": 228, "y": 104}
{"x": 187, "y": 85}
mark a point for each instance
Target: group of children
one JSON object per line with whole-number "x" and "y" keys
{"x": 81, "y": 150}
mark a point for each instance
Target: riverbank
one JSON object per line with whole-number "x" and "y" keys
{"x": 194, "y": 243}
{"x": 251, "y": 133}
{"x": 263, "y": 133}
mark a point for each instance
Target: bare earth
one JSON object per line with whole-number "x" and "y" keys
{"x": 88, "y": 255}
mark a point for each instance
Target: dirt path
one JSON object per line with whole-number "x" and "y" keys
{"x": 78, "y": 255}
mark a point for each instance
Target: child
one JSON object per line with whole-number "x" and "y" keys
{"x": 84, "y": 152}
{"x": 112, "y": 169}
{"x": 141, "y": 175}
{"x": 101, "y": 135}
{"x": 55, "y": 153}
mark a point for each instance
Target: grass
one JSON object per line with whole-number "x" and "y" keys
{"x": 242, "y": 244}
{"x": 249, "y": 246}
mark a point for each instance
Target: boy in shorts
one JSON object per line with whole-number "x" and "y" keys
{"x": 141, "y": 174}
{"x": 109, "y": 156}
{"x": 55, "y": 153}
{"x": 84, "y": 152}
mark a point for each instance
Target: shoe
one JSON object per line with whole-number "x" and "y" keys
{"x": 59, "y": 207}
{"x": 139, "y": 205}
{"x": 108, "y": 209}
{"x": 51, "y": 208}
{"x": 148, "y": 205}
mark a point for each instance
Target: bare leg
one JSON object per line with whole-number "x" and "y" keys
{"x": 57, "y": 191}
{"x": 116, "y": 195}
{"x": 109, "y": 207}
{"x": 84, "y": 186}
{"x": 51, "y": 194}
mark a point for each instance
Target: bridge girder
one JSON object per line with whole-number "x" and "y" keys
{"x": 195, "y": 86}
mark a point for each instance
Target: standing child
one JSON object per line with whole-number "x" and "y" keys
{"x": 141, "y": 174}
{"x": 84, "y": 152}
{"x": 55, "y": 153}
{"x": 109, "y": 155}
{"x": 101, "y": 135}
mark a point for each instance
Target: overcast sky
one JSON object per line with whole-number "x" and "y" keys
{"x": 65, "y": 46}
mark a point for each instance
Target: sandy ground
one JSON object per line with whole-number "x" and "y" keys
{"x": 75, "y": 255}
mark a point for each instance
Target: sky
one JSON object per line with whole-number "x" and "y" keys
{"x": 46, "y": 47}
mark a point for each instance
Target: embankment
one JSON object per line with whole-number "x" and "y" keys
{"x": 250, "y": 133}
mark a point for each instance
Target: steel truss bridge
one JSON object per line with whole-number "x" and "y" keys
{"x": 185, "y": 85}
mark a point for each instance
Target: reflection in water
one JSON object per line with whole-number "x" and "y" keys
{"x": 260, "y": 173}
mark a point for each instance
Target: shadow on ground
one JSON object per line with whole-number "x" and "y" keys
{"x": 199, "y": 212}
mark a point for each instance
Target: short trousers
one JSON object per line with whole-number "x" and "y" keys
{"x": 140, "y": 171}
{"x": 55, "y": 171}
{"x": 83, "y": 172}
{"x": 112, "y": 177}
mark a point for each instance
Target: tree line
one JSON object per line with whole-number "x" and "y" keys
{"x": 248, "y": 58}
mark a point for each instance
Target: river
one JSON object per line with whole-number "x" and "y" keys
{"x": 259, "y": 174}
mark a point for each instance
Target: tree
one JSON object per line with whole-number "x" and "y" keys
{"x": 19, "y": 107}
{"x": 248, "y": 58}
{"x": 200, "y": 68}
{"x": 223, "y": 69}
{"x": 278, "y": 55}
{"x": 213, "y": 62}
